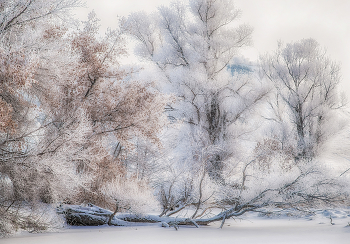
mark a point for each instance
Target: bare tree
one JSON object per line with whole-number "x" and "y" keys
{"x": 307, "y": 99}
{"x": 190, "y": 47}
{"x": 15, "y": 14}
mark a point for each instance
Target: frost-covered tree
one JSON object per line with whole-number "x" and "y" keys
{"x": 22, "y": 181}
{"x": 117, "y": 108}
{"x": 65, "y": 103}
{"x": 307, "y": 106}
{"x": 190, "y": 47}
{"x": 19, "y": 14}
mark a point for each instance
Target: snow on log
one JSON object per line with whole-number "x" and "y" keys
{"x": 89, "y": 215}
{"x": 92, "y": 215}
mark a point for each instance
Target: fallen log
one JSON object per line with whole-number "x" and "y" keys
{"x": 89, "y": 215}
{"x": 92, "y": 215}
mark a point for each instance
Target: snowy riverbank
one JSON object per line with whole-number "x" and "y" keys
{"x": 251, "y": 229}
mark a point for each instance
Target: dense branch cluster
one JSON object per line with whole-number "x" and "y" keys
{"x": 198, "y": 130}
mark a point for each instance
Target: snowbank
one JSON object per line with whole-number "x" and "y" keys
{"x": 315, "y": 229}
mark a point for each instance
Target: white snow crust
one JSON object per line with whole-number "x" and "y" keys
{"x": 316, "y": 229}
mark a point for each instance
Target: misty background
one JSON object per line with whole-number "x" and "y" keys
{"x": 327, "y": 21}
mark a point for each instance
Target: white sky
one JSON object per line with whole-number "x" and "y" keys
{"x": 327, "y": 21}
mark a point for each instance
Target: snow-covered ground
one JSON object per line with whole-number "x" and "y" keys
{"x": 252, "y": 229}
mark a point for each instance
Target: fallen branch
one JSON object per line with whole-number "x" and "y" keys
{"x": 92, "y": 215}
